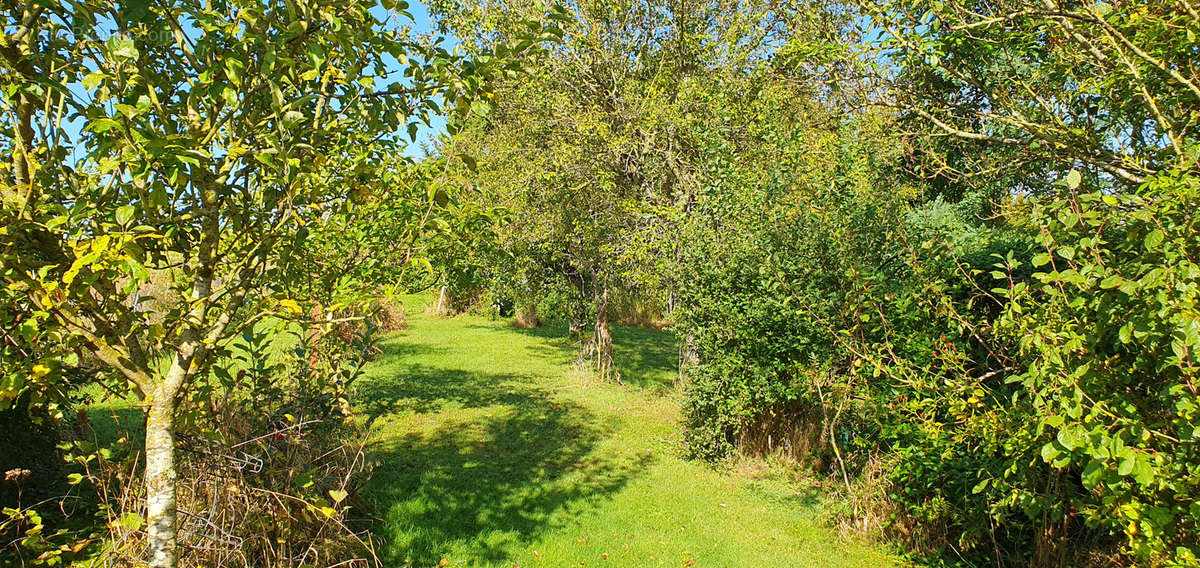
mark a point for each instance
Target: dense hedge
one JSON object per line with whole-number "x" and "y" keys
{"x": 1006, "y": 382}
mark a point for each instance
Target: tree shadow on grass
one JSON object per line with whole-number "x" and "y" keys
{"x": 425, "y": 389}
{"x": 646, "y": 358}
{"x": 483, "y": 465}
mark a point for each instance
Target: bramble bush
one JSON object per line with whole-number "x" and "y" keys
{"x": 990, "y": 316}
{"x": 1020, "y": 390}
{"x": 1108, "y": 328}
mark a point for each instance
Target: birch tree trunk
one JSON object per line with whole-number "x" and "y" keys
{"x": 445, "y": 305}
{"x": 161, "y": 515}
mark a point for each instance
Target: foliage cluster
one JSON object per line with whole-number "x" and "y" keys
{"x": 271, "y": 460}
{"x": 234, "y": 160}
{"x": 989, "y": 313}
{"x": 942, "y": 250}
{"x": 595, "y": 154}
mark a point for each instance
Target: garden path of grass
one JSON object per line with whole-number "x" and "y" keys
{"x": 493, "y": 453}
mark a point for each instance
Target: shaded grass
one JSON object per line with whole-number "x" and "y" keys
{"x": 492, "y": 451}
{"x": 646, "y": 358}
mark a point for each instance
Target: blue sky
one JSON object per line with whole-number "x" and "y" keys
{"x": 423, "y": 23}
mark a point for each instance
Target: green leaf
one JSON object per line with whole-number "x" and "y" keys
{"x": 131, "y": 521}
{"x": 440, "y": 197}
{"x": 1111, "y": 281}
{"x": 120, "y": 48}
{"x": 233, "y": 69}
{"x": 305, "y": 479}
{"x": 1072, "y": 437}
{"x": 124, "y": 214}
{"x": 1073, "y": 179}
{"x": 101, "y": 125}
{"x": 979, "y": 487}
{"x": 93, "y": 80}
{"x": 480, "y": 108}
{"x": 1093, "y": 474}
{"x": 1050, "y": 452}
{"x": 292, "y": 118}
{"x": 316, "y": 54}
{"x": 1154, "y": 239}
{"x": 1125, "y": 466}
{"x": 1143, "y": 470}
{"x": 338, "y": 495}
{"x": 469, "y": 161}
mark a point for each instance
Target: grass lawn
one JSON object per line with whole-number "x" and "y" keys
{"x": 492, "y": 452}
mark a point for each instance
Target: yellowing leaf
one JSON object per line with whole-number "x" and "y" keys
{"x": 290, "y": 305}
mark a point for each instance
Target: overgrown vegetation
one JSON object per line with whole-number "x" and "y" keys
{"x": 943, "y": 253}
{"x": 228, "y": 154}
{"x": 986, "y": 315}
{"x": 930, "y": 249}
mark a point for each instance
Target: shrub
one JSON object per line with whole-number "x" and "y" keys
{"x": 1014, "y": 392}
{"x": 775, "y": 276}
{"x": 1109, "y": 328}
{"x": 270, "y": 462}
{"x": 387, "y": 315}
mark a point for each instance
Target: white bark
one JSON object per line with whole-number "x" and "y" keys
{"x": 161, "y": 518}
{"x": 445, "y": 306}
{"x": 161, "y": 476}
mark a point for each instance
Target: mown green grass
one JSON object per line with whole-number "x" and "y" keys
{"x": 493, "y": 452}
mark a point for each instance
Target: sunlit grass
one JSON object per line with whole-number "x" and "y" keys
{"x": 493, "y": 452}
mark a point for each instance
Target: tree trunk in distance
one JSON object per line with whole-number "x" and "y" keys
{"x": 444, "y": 306}
{"x": 602, "y": 340}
